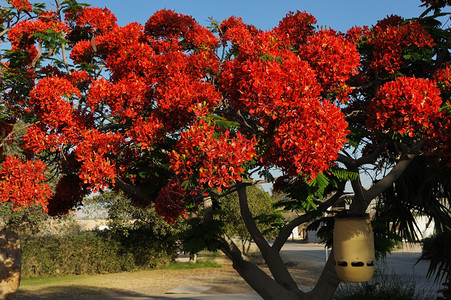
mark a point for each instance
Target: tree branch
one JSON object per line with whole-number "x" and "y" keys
{"x": 230, "y": 249}
{"x": 248, "y": 219}
{"x": 129, "y": 189}
{"x": 63, "y": 53}
{"x": 389, "y": 179}
{"x": 5, "y": 31}
{"x": 38, "y": 56}
{"x": 286, "y": 231}
{"x": 364, "y": 160}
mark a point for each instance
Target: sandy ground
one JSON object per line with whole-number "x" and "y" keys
{"x": 156, "y": 283}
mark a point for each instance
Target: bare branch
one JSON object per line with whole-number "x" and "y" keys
{"x": 63, "y": 53}
{"x": 284, "y": 234}
{"x": 129, "y": 189}
{"x": 12, "y": 133}
{"x": 389, "y": 179}
{"x": 38, "y": 56}
{"x": 5, "y": 31}
{"x": 255, "y": 233}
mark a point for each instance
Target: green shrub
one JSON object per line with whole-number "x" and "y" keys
{"x": 92, "y": 252}
{"x": 381, "y": 287}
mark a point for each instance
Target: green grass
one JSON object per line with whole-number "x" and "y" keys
{"x": 61, "y": 280}
{"x": 199, "y": 264}
{"x": 36, "y": 281}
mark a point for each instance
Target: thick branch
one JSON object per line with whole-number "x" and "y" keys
{"x": 230, "y": 249}
{"x": 248, "y": 219}
{"x": 129, "y": 189}
{"x": 389, "y": 179}
{"x": 327, "y": 282}
{"x": 285, "y": 233}
{"x": 5, "y": 31}
{"x": 364, "y": 160}
{"x": 272, "y": 258}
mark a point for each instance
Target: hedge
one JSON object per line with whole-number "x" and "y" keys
{"x": 93, "y": 252}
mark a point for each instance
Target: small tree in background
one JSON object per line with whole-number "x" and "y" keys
{"x": 261, "y": 206}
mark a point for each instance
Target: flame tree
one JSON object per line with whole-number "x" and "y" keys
{"x": 177, "y": 116}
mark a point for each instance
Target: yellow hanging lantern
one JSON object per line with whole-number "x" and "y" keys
{"x": 354, "y": 248}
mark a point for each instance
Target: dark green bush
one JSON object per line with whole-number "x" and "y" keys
{"x": 383, "y": 287}
{"x": 92, "y": 252}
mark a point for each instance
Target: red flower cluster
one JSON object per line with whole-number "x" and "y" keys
{"x": 167, "y": 29}
{"x": 97, "y": 169}
{"x": 295, "y": 28}
{"x": 93, "y": 20}
{"x": 171, "y": 202}
{"x": 23, "y": 183}
{"x": 390, "y": 36}
{"x": 307, "y": 142}
{"x": 333, "y": 58}
{"x": 405, "y": 105}
{"x": 443, "y": 77}
{"x": 52, "y": 101}
{"x": 21, "y": 37}
{"x": 21, "y": 4}
{"x": 214, "y": 159}
{"x": 126, "y": 98}
{"x": 146, "y": 132}
{"x": 438, "y": 137}
{"x": 281, "y": 90}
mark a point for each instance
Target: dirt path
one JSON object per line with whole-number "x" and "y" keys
{"x": 154, "y": 283}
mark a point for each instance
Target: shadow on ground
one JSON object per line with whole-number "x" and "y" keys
{"x": 74, "y": 292}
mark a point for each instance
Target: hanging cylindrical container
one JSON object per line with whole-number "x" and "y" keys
{"x": 354, "y": 248}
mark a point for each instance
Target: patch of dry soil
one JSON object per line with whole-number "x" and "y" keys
{"x": 154, "y": 283}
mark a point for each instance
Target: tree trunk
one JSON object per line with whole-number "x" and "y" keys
{"x": 327, "y": 283}
{"x": 270, "y": 289}
{"x": 281, "y": 285}
{"x": 263, "y": 284}
{"x": 10, "y": 264}
{"x": 192, "y": 257}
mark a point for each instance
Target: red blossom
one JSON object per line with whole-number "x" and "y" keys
{"x": 438, "y": 137}
{"x": 171, "y": 202}
{"x": 167, "y": 25}
{"x": 68, "y": 194}
{"x": 93, "y": 19}
{"x": 98, "y": 170}
{"x": 333, "y": 58}
{"x": 20, "y": 34}
{"x": 390, "y": 36}
{"x": 443, "y": 77}
{"x": 146, "y": 132}
{"x": 405, "y": 105}
{"x": 295, "y": 28}
{"x": 23, "y": 183}
{"x": 126, "y": 98}
{"x": 21, "y": 4}
{"x": 215, "y": 161}
{"x": 50, "y": 102}
{"x": 308, "y": 141}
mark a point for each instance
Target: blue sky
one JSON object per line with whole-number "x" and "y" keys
{"x": 265, "y": 14}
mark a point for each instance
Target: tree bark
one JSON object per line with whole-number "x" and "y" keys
{"x": 270, "y": 255}
{"x": 327, "y": 282}
{"x": 10, "y": 264}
